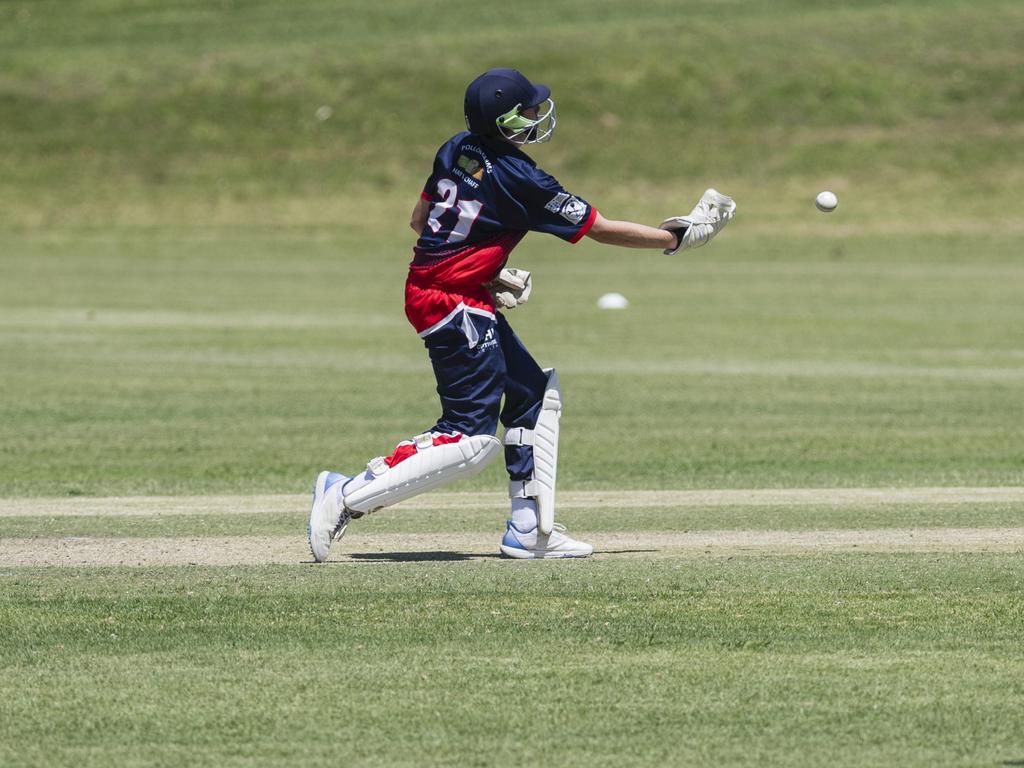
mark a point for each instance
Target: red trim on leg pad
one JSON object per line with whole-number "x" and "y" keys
{"x": 408, "y": 448}
{"x": 442, "y": 439}
{"x": 402, "y": 452}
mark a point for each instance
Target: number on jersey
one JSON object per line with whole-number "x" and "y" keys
{"x": 468, "y": 211}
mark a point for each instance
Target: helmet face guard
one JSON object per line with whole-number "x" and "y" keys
{"x": 519, "y": 129}
{"x": 495, "y": 102}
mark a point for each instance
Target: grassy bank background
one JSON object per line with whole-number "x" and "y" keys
{"x": 203, "y": 243}
{"x": 195, "y": 113}
{"x": 203, "y": 240}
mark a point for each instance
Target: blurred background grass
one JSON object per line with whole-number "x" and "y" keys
{"x": 206, "y": 113}
{"x": 203, "y": 238}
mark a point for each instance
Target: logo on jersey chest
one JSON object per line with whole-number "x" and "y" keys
{"x": 472, "y": 166}
{"x": 469, "y": 170}
{"x": 570, "y": 208}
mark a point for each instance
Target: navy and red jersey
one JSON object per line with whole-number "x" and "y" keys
{"x": 484, "y": 196}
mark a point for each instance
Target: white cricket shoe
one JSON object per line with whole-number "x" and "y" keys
{"x": 328, "y": 518}
{"x": 534, "y": 545}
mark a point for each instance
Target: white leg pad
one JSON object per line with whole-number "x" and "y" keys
{"x": 428, "y": 468}
{"x": 545, "y": 453}
{"x": 544, "y": 439}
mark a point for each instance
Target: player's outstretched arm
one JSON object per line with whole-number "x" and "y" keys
{"x": 629, "y": 234}
{"x": 712, "y": 212}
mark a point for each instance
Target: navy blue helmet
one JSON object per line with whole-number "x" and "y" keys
{"x": 495, "y": 102}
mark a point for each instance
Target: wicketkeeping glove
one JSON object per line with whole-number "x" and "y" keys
{"x": 511, "y": 287}
{"x": 707, "y": 219}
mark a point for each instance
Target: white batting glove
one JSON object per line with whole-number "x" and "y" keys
{"x": 707, "y": 219}
{"x": 511, "y": 287}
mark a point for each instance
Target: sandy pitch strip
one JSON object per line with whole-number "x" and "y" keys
{"x": 289, "y": 503}
{"x": 265, "y": 550}
{"x": 389, "y": 547}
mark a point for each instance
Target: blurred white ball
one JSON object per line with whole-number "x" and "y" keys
{"x": 826, "y": 201}
{"x": 613, "y": 301}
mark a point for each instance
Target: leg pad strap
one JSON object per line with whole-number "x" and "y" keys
{"x": 518, "y": 436}
{"x": 522, "y": 489}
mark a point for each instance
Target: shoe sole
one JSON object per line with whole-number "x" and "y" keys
{"x": 529, "y": 554}
{"x": 318, "y": 497}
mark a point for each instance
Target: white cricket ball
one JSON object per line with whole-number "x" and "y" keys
{"x": 826, "y": 201}
{"x": 613, "y": 301}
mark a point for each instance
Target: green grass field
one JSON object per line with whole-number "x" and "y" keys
{"x": 201, "y": 276}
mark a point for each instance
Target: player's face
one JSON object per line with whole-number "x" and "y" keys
{"x": 519, "y": 139}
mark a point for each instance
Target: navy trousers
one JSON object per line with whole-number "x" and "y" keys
{"x": 476, "y": 361}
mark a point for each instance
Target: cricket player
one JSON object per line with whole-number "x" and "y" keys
{"x": 482, "y": 197}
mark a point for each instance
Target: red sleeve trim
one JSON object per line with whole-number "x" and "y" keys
{"x": 586, "y": 225}
{"x": 424, "y": 196}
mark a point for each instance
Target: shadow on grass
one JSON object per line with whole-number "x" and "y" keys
{"x": 416, "y": 557}
{"x": 624, "y": 551}
{"x": 420, "y": 557}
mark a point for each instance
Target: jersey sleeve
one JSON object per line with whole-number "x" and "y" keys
{"x": 428, "y": 187}
{"x": 550, "y": 208}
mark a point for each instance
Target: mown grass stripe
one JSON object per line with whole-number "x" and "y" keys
{"x": 288, "y": 503}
